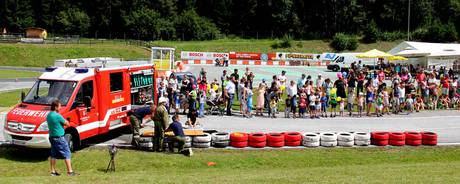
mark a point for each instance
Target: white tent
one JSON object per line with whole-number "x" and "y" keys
{"x": 428, "y": 54}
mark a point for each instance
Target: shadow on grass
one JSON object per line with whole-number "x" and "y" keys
{"x": 22, "y": 154}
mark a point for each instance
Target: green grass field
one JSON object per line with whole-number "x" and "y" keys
{"x": 10, "y": 98}
{"x": 9, "y": 74}
{"x": 33, "y": 55}
{"x": 319, "y": 165}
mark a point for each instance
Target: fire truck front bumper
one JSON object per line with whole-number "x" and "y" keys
{"x": 28, "y": 140}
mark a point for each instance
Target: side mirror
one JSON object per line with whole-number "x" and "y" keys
{"x": 23, "y": 96}
{"x": 87, "y": 102}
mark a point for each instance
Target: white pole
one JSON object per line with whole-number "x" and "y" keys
{"x": 408, "y": 21}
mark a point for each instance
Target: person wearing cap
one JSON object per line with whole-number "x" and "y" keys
{"x": 161, "y": 121}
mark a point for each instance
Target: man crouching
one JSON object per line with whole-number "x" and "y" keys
{"x": 179, "y": 136}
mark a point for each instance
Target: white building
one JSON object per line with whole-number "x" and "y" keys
{"x": 428, "y": 54}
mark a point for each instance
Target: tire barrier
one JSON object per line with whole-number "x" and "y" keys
{"x": 380, "y": 138}
{"x": 188, "y": 142}
{"x": 345, "y": 139}
{"x": 220, "y": 139}
{"x": 292, "y": 139}
{"x": 202, "y": 141}
{"x": 257, "y": 140}
{"x": 362, "y": 138}
{"x": 429, "y": 138}
{"x": 239, "y": 140}
{"x": 310, "y": 139}
{"x": 275, "y": 140}
{"x": 413, "y": 138}
{"x": 397, "y": 139}
{"x": 328, "y": 139}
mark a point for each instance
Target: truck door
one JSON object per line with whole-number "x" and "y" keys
{"x": 86, "y": 109}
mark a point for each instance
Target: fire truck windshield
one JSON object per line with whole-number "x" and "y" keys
{"x": 44, "y": 92}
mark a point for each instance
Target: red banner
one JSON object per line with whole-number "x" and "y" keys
{"x": 245, "y": 55}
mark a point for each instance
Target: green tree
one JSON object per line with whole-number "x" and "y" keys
{"x": 73, "y": 21}
{"x": 371, "y": 33}
{"x": 194, "y": 27}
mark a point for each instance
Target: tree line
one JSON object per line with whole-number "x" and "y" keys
{"x": 431, "y": 20}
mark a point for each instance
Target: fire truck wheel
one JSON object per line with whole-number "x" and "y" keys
{"x": 72, "y": 140}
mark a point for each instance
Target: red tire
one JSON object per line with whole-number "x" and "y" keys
{"x": 413, "y": 142}
{"x": 397, "y": 136}
{"x": 429, "y": 136}
{"x": 379, "y": 142}
{"x": 397, "y": 142}
{"x": 413, "y": 135}
{"x": 241, "y": 144}
{"x": 292, "y": 136}
{"x": 257, "y": 137}
{"x": 239, "y": 137}
{"x": 430, "y": 142}
{"x": 380, "y": 135}
{"x": 276, "y": 144}
{"x": 257, "y": 144}
{"x": 275, "y": 137}
{"x": 292, "y": 143}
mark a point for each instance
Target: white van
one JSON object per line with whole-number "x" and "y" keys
{"x": 344, "y": 60}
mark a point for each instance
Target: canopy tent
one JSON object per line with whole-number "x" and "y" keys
{"x": 428, "y": 54}
{"x": 374, "y": 53}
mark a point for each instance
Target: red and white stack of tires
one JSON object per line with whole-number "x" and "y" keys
{"x": 397, "y": 139}
{"x": 429, "y": 138}
{"x": 328, "y": 139}
{"x": 362, "y": 138}
{"x": 345, "y": 139}
{"x": 202, "y": 141}
{"x": 275, "y": 140}
{"x": 239, "y": 140}
{"x": 413, "y": 138}
{"x": 220, "y": 139}
{"x": 310, "y": 139}
{"x": 380, "y": 138}
{"x": 257, "y": 140}
{"x": 292, "y": 139}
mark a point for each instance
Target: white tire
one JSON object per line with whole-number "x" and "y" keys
{"x": 345, "y": 136}
{"x": 345, "y": 143}
{"x": 328, "y": 137}
{"x": 329, "y": 143}
{"x": 188, "y": 145}
{"x": 146, "y": 145}
{"x": 145, "y": 139}
{"x": 362, "y": 143}
{"x": 362, "y": 136}
{"x": 188, "y": 139}
{"x": 201, "y": 144}
{"x": 310, "y": 144}
{"x": 220, "y": 136}
{"x": 205, "y": 138}
{"x": 310, "y": 137}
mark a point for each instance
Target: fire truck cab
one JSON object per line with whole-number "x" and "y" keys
{"x": 96, "y": 94}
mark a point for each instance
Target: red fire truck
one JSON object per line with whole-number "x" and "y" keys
{"x": 96, "y": 94}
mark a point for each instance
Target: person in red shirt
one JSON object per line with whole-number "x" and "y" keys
{"x": 302, "y": 104}
{"x": 445, "y": 84}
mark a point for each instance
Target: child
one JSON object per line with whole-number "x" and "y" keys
{"x": 317, "y": 105}
{"x": 360, "y": 104}
{"x": 410, "y": 103}
{"x": 302, "y": 104}
{"x": 202, "y": 102}
{"x": 333, "y": 102}
{"x": 312, "y": 106}
{"x": 342, "y": 106}
{"x": 396, "y": 103}
{"x": 379, "y": 105}
{"x": 323, "y": 105}
{"x": 350, "y": 101}
{"x": 273, "y": 106}
{"x": 249, "y": 103}
{"x": 386, "y": 101}
{"x": 445, "y": 101}
{"x": 430, "y": 104}
{"x": 287, "y": 108}
{"x": 419, "y": 105}
{"x": 402, "y": 95}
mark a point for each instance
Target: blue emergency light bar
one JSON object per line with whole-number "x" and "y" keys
{"x": 81, "y": 70}
{"x": 50, "y": 69}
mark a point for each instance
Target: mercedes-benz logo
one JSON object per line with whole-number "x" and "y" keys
{"x": 19, "y": 126}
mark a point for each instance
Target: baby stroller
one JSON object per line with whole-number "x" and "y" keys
{"x": 216, "y": 105}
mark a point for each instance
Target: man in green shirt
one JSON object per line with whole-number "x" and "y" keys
{"x": 59, "y": 146}
{"x": 161, "y": 120}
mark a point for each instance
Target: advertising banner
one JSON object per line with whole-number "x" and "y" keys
{"x": 290, "y": 56}
{"x": 247, "y": 55}
{"x": 203, "y": 55}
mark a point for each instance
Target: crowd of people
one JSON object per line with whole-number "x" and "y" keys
{"x": 357, "y": 91}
